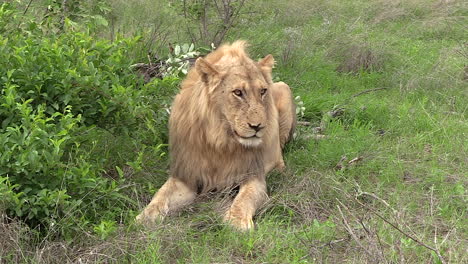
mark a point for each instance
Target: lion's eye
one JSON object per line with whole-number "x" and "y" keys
{"x": 237, "y": 92}
{"x": 263, "y": 91}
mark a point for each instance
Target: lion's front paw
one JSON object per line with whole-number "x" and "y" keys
{"x": 239, "y": 221}
{"x": 280, "y": 166}
{"x": 149, "y": 217}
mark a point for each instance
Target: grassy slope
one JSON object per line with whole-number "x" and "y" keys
{"x": 409, "y": 137}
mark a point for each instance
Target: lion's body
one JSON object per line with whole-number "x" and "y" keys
{"x": 219, "y": 139}
{"x": 204, "y": 155}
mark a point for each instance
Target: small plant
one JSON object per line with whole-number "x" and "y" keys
{"x": 300, "y": 108}
{"x": 105, "y": 229}
{"x": 178, "y": 62}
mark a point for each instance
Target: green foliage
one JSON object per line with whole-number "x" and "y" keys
{"x": 178, "y": 63}
{"x": 71, "y": 69}
{"x": 7, "y": 194}
{"x": 105, "y": 228}
{"x": 61, "y": 96}
{"x": 89, "y": 12}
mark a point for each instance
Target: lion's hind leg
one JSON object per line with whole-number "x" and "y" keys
{"x": 282, "y": 96}
{"x": 173, "y": 195}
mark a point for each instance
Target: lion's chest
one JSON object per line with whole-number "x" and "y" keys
{"x": 230, "y": 169}
{"x": 207, "y": 170}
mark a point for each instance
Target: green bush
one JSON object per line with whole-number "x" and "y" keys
{"x": 61, "y": 97}
{"x": 71, "y": 69}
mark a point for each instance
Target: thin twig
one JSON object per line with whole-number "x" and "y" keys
{"x": 415, "y": 239}
{"x": 303, "y": 123}
{"x": 27, "y": 7}
{"x": 305, "y": 244}
{"x": 368, "y": 91}
{"x": 64, "y": 14}
{"x": 189, "y": 31}
{"x": 356, "y": 159}
{"x": 380, "y": 246}
{"x": 369, "y": 232}
{"x": 356, "y": 95}
{"x": 350, "y": 231}
{"x": 149, "y": 60}
{"x": 333, "y": 242}
{"x": 432, "y": 214}
{"x": 379, "y": 199}
{"x": 448, "y": 234}
{"x": 24, "y": 13}
{"x": 229, "y": 21}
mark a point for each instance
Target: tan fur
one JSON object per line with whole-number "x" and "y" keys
{"x": 219, "y": 139}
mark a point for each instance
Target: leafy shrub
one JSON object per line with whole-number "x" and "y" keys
{"x": 61, "y": 96}
{"x": 90, "y": 12}
{"x": 69, "y": 70}
{"x": 179, "y": 62}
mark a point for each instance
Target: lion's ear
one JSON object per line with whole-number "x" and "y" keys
{"x": 266, "y": 64}
{"x": 204, "y": 68}
{"x": 209, "y": 74}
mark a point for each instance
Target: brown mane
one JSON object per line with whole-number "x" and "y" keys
{"x": 199, "y": 142}
{"x": 235, "y": 53}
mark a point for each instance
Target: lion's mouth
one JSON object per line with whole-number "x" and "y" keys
{"x": 252, "y": 141}
{"x": 251, "y": 137}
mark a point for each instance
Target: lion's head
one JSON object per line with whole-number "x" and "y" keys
{"x": 238, "y": 90}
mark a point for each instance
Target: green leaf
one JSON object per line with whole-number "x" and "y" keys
{"x": 119, "y": 171}
{"x": 100, "y": 21}
{"x": 185, "y": 48}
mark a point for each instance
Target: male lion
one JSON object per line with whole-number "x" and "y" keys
{"x": 227, "y": 127}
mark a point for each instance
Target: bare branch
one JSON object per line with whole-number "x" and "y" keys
{"x": 229, "y": 19}
{"x": 27, "y": 7}
{"x": 186, "y": 21}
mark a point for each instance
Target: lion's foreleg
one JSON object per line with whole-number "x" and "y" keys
{"x": 173, "y": 195}
{"x": 252, "y": 194}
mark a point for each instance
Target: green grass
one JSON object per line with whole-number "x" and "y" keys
{"x": 410, "y": 138}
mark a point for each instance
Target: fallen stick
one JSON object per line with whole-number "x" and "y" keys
{"x": 368, "y": 91}
{"x": 303, "y": 123}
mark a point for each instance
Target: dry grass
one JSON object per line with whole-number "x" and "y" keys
{"x": 15, "y": 247}
{"x": 306, "y": 197}
{"x": 357, "y": 57}
{"x": 14, "y": 236}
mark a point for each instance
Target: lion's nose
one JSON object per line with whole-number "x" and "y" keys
{"x": 255, "y": 127}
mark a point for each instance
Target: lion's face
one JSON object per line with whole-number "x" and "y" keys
{"x": 241, "y": 93}
{"x": 245, "y": 104}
